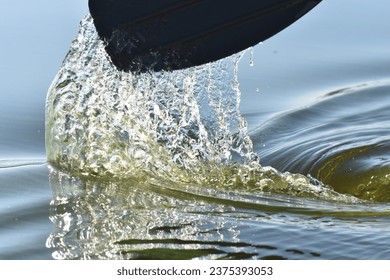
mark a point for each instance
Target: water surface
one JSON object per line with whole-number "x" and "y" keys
{"x": 315, "y": 99}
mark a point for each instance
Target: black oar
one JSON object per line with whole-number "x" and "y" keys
{"x": 144, "y": 35}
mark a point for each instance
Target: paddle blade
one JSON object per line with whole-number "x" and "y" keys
{"x": 143, "y": 35}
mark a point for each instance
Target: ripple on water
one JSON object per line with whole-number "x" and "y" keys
{"x": 151, "y": 219}
{"x": 342, "y": 140}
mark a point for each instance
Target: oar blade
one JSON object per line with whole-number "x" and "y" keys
{"x": 174, "y": 34}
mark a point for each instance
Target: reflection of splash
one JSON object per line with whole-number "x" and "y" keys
{"x": 153, "y": 219}
{"x": 137, "y": 220}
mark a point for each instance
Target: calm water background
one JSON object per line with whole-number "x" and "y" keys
{"x": 340, "y": 44}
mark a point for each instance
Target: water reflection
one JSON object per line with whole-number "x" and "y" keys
{"x": 111, "y": 220}
{"x": 145, "y": 219}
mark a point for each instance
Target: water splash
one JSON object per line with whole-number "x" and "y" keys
{"x": 102, "y": 121}
{"x": 184, "y": 126}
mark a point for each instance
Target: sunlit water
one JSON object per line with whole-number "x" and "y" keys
{"x": 163, "y": 167}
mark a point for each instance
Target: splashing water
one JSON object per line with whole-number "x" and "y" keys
{"x": 184, "y": 126}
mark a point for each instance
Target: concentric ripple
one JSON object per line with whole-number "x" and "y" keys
{"x": 343, "y": 140}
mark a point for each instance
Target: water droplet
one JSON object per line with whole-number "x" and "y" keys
{"x": 251, "y": 58}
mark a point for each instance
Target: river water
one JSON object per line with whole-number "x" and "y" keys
{"x": 293, "y": 165}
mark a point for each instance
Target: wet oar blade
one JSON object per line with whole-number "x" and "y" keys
{"x": 159, "y": 35}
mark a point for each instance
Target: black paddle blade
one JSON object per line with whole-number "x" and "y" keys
{"x": 144, "y": 35}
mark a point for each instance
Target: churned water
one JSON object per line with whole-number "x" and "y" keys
{"x": 165, "y": 165}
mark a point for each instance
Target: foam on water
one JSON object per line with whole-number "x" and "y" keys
{"x": 183, "y": 126}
